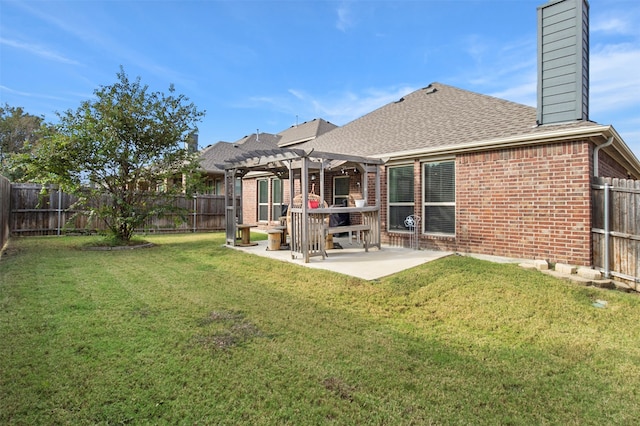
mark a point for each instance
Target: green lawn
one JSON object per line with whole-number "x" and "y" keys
{"x": 191, "y": 332}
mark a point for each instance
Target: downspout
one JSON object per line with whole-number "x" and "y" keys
{"x": 596, "y": 153}
{"x": 607, "y": 231}
{"x": 607, "y": 242}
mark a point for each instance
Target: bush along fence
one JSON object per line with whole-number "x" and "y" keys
{"x": 616, "y": 228}
{"x": 35, "y": 211}
{"x": 5, "y": 210}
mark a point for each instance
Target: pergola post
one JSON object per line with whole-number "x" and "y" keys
{"x": 230, "y": 205}
{"x": 365, "y": 184}
{"x": 284, "y": 161}
{"x": 304, "y": 187}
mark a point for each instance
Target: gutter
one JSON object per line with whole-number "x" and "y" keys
{"x": 508, "y": 142}
{"x": 596, "y": 153}
{"x": 596, "y": 131}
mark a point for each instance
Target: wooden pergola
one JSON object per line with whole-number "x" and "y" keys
{"x": 308, "y": 225}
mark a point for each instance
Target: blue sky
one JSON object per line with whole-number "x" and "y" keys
{"x": 267, "y": 64}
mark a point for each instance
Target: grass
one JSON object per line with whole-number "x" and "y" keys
{"x": 191, "y": 332}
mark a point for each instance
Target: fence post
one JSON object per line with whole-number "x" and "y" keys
{"x": 607, "y": 272}
{"x": 195, "y": 213}
{"x": 59, "y": 210}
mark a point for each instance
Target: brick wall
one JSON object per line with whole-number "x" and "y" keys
{"x": 531, "y": 203}
{"x": 609, "y": 168}
{"x": 249, "y": 200}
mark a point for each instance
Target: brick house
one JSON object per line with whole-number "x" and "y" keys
{"x": 482, "y": 174}
{"x": 213, "y": 157}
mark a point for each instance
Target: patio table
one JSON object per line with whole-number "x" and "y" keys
{"x": 246, "y": 234}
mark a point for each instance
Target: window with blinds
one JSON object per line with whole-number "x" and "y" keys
{"x": 400, "y": 196}
{"x": 439, "y": 209}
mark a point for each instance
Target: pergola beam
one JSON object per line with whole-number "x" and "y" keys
{"x": 285, "y": 163}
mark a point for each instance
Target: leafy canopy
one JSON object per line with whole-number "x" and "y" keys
{"x": 18, "y": 130}
{"x": 123, "y": 153}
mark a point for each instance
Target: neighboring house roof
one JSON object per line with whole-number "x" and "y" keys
{"x": 216, "y": 154}
{"x": 211, "y": 155}
{"x": 436, "y": 118}
{"x": 257, "y": 141}
{"x": 304, "y": 132}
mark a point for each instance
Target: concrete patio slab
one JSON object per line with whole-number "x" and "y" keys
{"x": 353, "y": 260}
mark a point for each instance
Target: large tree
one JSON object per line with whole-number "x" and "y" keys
{"x": 18, "y": 130}
{"x": 123, "y": 153}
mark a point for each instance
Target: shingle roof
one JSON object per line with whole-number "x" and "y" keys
{"x": 305, "y": 132}
{"x": 216, "y": 154}
{"x": 212, "y": 154}
{"x": 436, "y": 116}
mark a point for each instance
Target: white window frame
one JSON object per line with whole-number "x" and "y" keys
{"x": 425, "y": 203}
{"x": 340, "y": 196}
{"x": 390, "y": 204}
{"x": 273, "y": 197}
{"x": 261, "y": 203}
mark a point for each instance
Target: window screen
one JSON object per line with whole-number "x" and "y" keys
{"x": 439, "y": 198}
{"x": 400, "y": 195}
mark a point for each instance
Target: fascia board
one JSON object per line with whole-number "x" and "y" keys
{"x": 509, "y": 142}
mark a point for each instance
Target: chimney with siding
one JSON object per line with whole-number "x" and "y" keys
{"x": 563, "y": 61}
{"x": 191, "y": 144}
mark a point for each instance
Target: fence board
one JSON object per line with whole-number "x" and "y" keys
{"x": 624, "y": 227}
{"x": 49, "y": 212}
{"x": 5, "y": 210}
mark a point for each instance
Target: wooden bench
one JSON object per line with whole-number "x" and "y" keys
{"x": 360, "y": 229}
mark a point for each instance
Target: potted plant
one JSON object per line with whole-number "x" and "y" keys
{"x": 358, "y": 200}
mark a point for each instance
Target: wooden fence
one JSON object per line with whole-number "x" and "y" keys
{"x": 5, "y": 210}
{"x": 52, "y": 212}
{"x": 616, "y": 228}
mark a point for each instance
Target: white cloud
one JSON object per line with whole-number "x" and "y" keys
{"x": 615, "y": 81}
{"x": 336, "y": 107}
{"x": 296, "y": 93}
{"x": 341, "y": 108}
{"x": 524, "y": 93}
{"x": 611, "y": 25}
{"x": 38, "y": 50}
{"x": 87, "y": 29}
{"x": 344, "y": 18}
{"x": 29, "y": 94}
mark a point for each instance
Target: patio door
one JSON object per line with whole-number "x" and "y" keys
{"x": 341, "y": 191}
